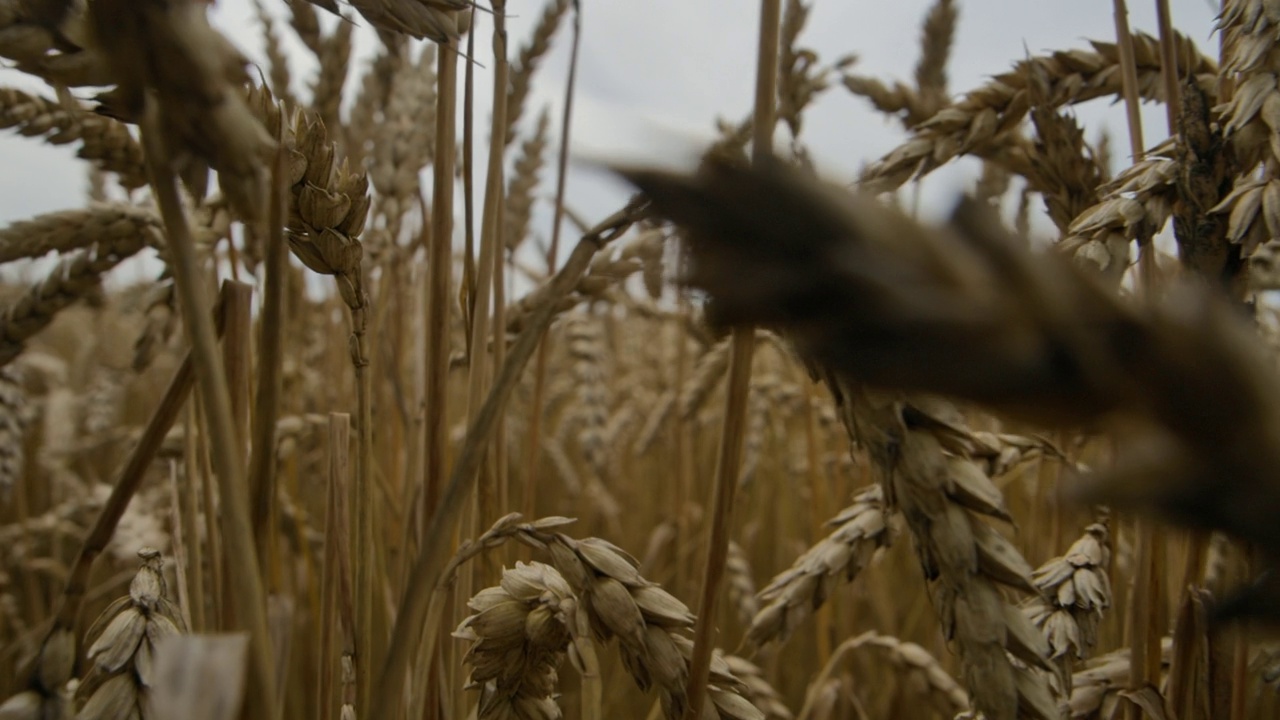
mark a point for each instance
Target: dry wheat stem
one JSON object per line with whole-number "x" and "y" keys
{"x": 437, "y": 297}
{"x": 262, "y": 480}
{"x": 490, "y": 260}
{"x": 246, "y": 576}
{"x": 550, "y": 20}
{"x": 729, "y": 457}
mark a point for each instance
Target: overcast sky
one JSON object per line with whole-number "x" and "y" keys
{"x": 655, "y": 74}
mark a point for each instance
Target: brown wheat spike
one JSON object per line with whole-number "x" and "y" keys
{"x": 333, "y": 53}
{"x": 526, "y": 63}
{"x": 1097, "y": 689}
{"x": 277, "y": 63}
{"x": 519, "y": 635}
{"x": 50, "y": 41}
{"x": 924, "y": 675}
{"x": 75, "y": 229}
{"x": 759, "y": 405}
{"x": 1074, "y": 592}
{"x": 68, "y": 282}
{"x": 335, "y": 61}
{"x": 372, "y": 97}
{"x": 707, "y": 374}
{"x": 329, "y": 203}
{"x": 606, "y": 271}
{"x": 1065, "y": 174}
{"x": 654, "y": 423}
{"x": 980, "y": 122}
{"x": 1135, "y": 205}
{"x": 160, "y": 320}
{"x": 800, "y": 78}
{"x": 524, "y": 182}
{"x": 104, "y": 141}
{"x": 757, "y": 689}
{"x": 585, "y": 343}
{"x": 742, "y": 584}
{"x": 13, "y": 424}
{"x": 860, "y": 531}
{"x": 403, "y": 143}
{"x": 935, "y": 50}
{"x": 942, "y": 494}
{"x": 122, "y": 654}
{"x": 650, "y": 624}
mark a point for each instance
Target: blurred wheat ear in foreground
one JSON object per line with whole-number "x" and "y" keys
{"x": 396, "y": 429}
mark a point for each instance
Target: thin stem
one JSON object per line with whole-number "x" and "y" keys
{"x": 262, "y": 480}
{"x": 1169, "y": 64}
{"x": 246, "y": 582}
{"x": 468, "y": 188}
{"x": 1133, "y": 114}
{"x": 534, "y": 447}
{"x": 489, "y": 248}
{"x": 363, "y": 500}
{"x": 438, "y": 298}
{"x": 729, "y": 462}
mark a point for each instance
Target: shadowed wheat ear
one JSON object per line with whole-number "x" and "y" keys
{"x": 519, "y": 634}
{"x": 921, "y": 454}
{"x": 966, "y": 310}
{"x": 861, "y": 530}
{"x": 123, "y": 653}
{"x": 1074, "y": 592}
{"x": 650, "y": 624}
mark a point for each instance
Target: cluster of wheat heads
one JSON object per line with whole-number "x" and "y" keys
{"x": 300, "y": 493}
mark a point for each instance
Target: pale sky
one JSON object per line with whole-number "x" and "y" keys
{"x": 654, "y": 75}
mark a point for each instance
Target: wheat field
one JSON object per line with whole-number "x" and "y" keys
{"x": 374, "y": 443}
